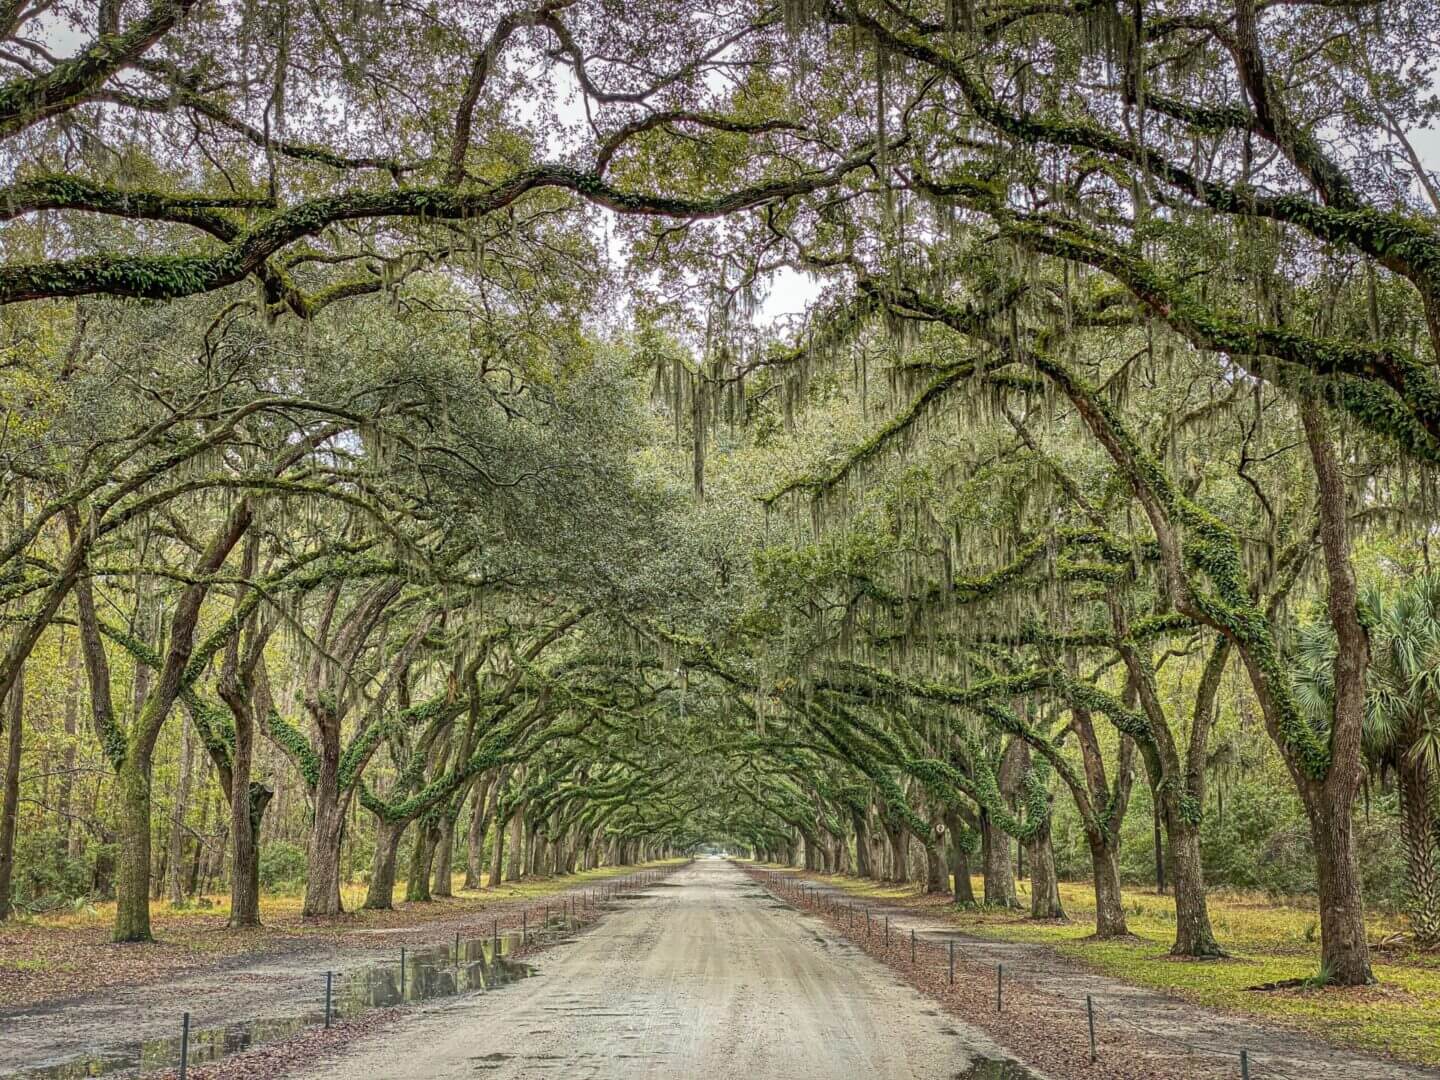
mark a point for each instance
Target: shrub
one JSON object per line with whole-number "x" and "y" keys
{"x": 282, "y": 866}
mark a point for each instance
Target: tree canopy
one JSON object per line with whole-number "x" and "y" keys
{"x": 394, "y": 412}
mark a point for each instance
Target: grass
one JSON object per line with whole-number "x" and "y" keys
{"x": 1268, "y": 941}
{"x": 283, "y": 909}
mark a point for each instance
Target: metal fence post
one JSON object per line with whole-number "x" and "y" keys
{"x": 952, "y": 961}
{"x": 328, "y": 977}
{"x": 184, "y": 1044}
{"x": 999, "y": 984}
{"x": 1090, "y": 1015}
{"x": 912, "y": 947}
{"x": 1244, "y": 1065}
{"x": 402, "y": 972}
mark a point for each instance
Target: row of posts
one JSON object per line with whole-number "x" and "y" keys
{"x": 585, "y": 899}
{"x": 824, "y": 900}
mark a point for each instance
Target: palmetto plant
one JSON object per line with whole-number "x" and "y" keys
{"x": 1402, "y": 722}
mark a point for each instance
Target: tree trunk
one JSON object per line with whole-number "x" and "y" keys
{"x": 380, "y": 895}
{"x": 177, "y": 815}
{"x": 964, "y": 891}
{"x": 899, "y": 853}
{"x": 935, "y": 870}
{"x": 417, "y": 880}
{"x": 1159, "y": 843}
{"x": 197, "y": 863}
{"x": 964, "y": 888}
{"x": 1193, "y": 934}
{"x": 67, "y": 758}
{"x": 132, "y": 879}
{"x": 1344, "y": 952}
{"x": 497, "y": 853}
{"x": 533, "y": 846}
{"x": 444, "y": 851}
{"x": 517, "y": 832}
{"x": 1044, "y": 885}
{"x": 215, "y": 864}
{"x": 864, "y": 854}
{"x": 322, "y": 855}
{"x": 11, "y": 807}
{"x": 484, "y": 809}
{"x": 245, "y": 857}
{"x": 1105, "y": 871}
{"x": 998, "y": 867}
{"x": 1422, "y": 875}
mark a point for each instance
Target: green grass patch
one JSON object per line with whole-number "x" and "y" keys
{"x": 1268, "y": 941}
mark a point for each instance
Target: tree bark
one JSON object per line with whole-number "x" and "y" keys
{"x": 1044, "y": 885}
{"x": 1344, "y": 951}
{"x": 864, "y": 853}
{"x": 497, "y": 854}
{"x": 899, "y": 840}
{"x": 417, "y": 880}
{"x": 1158, "y": 842}
{"x": 935, "y": 870}
{"x": 1422, "y": 874}
{"x": 67, "y": 758}
{"x": 245, "y": 857}
{"x": 1194, "y": 936}
{"x": 962, "y": 890}
{"x": 380, "y": 894}
{"x": 444, "y": 850}
{"x": 322, "y": 854}
{"x": 1329, "y": 801}
{"x": 10, "y": 809}
{"x": 132, "y": 878}
{"x": 517, "y": 832}
{"x": 177, "y": 815}
{"x": 1105, "y": 873}
{"x": 998, "y": 867}
{"x": 486, "y": 793}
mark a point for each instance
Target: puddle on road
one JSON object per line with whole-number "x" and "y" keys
{"x": 483, "y": 964}
{"x": 996, "y": 1069}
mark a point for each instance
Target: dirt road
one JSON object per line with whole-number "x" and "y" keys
{"x": 705, "y": 975}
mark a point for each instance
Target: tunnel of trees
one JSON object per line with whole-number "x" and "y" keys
{"x": 401, "y": 475}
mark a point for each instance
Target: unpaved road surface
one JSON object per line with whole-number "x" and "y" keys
{"x": 703, "y": 976}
